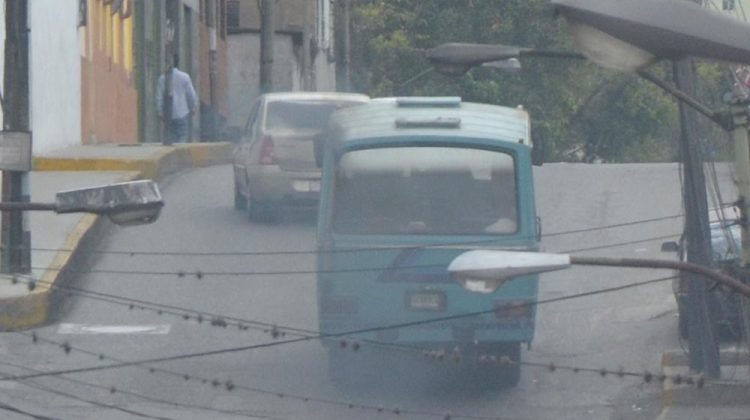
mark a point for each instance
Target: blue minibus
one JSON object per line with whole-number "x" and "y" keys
{"x": 407, "y": 185}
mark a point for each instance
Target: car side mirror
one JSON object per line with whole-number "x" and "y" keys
{"x": 670, "y": 246}
{"x": 233, "y": 133}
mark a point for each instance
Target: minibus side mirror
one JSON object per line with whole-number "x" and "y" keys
{"x": 318, "y": 146}
{"x": 537, "y": 151}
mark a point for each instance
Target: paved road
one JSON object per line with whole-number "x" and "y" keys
{"x": 627, "y": 329}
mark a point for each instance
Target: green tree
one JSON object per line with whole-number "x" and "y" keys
{"x": 575, "y": 105}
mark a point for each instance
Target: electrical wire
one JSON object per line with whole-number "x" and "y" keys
{"x": 12, "y": 409}
{"x": 115, "y": 390}
{"x": 620, "y": 373}
{"x": 202, "y": 274}
{"x": 92, "y": 402}
{"x": 363, "y": 249}
{"x": 338, "y": 334}
{"x": 230, "y": 386}
{"x": 218, "y": 320}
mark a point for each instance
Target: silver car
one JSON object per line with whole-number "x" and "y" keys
{"x": 274, "y": 162}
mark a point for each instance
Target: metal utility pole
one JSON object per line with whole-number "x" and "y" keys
{"x": 343, "y": 45}
{"x": 15, "y": 239}
{"x": 266, "y": 45}
{"x": 702, "y": 342}
{"x": 171, "y": 49}
{"x": 213, "y": 76}
{"x": 742, "y": 173}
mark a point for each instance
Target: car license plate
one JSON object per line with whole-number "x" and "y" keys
{"x": 304, "y": 185}
{"x": 426, "y": 301}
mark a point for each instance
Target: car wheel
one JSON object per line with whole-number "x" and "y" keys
{"x": 251, "y": 207}
{"x": 258, "y": 211}
{"x": 240, "y": 202}
{"x": 511, "y": 375}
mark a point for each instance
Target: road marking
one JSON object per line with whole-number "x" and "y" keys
{"x": 113, "y": 329}
{"x": 664, "y": 413}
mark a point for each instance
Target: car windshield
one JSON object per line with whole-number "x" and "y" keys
{"x": 425, "y": 190}
{"x": 725, "y": 240}
{"x": 300, "y": 115}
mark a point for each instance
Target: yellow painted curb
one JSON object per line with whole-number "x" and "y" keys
{"x": 28, "y": 311}
{"x": 33, "y": 309}
{"x": 207, "y": 154}
{"x": 145, "y": 166}
{"x": 668, "y": 390}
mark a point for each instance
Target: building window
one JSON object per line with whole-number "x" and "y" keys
{"x": 233, "y": 14}
{"x": 83, "y": 12}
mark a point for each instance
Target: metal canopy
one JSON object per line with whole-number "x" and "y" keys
{"x": 669, "y": 29}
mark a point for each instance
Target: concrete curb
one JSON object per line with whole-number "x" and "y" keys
{"x": 38, "y": 307}
{"x": 164, "y": 162}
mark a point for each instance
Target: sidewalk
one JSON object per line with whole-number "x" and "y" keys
{"x": 58, "y": 241}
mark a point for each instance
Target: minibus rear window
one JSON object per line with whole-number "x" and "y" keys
{"x": 425, "y": 190}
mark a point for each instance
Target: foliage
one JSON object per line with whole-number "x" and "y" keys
{"x": 576, "y": 106}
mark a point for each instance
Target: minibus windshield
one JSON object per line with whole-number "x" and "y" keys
{"x": 425, "y": 190}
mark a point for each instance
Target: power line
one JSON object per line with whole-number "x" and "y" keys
{"x": 230, "y": 386}
{"x": 199, "y": 274}
{"x": 354, "y": 250}
{"x": 619, "y": 372}
{"x": 276, "y": 330}
{"x": 619, "y": 244}
{"x": 92, "y": 402}
{"x": 115, "y": 390}
{"x": 339, "y": 334}
{"x": 7, "y": 407}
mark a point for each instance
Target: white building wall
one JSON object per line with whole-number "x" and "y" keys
{"x": 325, "y": 73}
{"x": 243, "y": 71}
{"x": 55, "y": 79}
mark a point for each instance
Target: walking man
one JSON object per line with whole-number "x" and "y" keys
{"x": 176, "y": 101}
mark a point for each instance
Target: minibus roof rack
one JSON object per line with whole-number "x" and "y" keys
{"x": 426, "y": 101}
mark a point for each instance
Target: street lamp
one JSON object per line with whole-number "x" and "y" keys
{"x": 125, "y": 203}
{"x": 456, "y": 58}
{"x": 622, "y": 35}
{"x": 630, "y": 35}
{"x": 485, "y": 271}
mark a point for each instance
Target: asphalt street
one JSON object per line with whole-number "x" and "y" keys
{"x": 189, "y": 261}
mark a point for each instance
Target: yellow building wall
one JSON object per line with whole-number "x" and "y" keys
{"x": 109, "y": 97}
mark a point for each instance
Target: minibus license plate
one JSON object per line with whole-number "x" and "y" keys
{"x": 426, "y": 301}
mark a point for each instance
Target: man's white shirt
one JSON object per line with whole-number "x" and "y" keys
{"x": 183, "y": 94}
